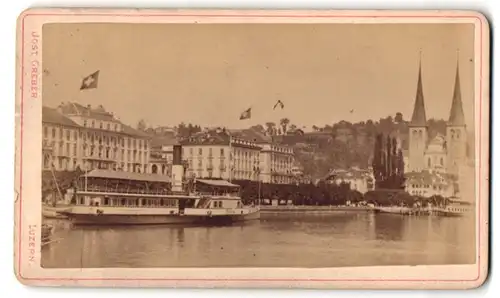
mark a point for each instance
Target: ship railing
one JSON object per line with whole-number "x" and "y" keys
{"x": 127, "y": 191}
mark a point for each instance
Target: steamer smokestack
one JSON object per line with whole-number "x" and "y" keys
{"x": 177, "y": 169}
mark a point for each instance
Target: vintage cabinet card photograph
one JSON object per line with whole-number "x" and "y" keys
{"x": 252, "y": 149}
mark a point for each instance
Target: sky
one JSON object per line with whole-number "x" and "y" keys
{"x": 208, "y": 74}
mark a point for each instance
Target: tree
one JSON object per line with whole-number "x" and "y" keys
{"x": 141, "y": 125}
{"x": 399, "y": 118}
{"x": 284, "y": 124}
{"x": 388, "y": 164}
{"x": 377, "y": 163}
{"x": 270, "y": 128}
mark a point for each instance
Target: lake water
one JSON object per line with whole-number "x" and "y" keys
{"x": 281, "y": 240}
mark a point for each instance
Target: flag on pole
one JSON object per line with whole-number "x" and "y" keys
{"x": 279, "y": 104}
{"x": 90, "y": 81}
{"x": 247, "y": 114}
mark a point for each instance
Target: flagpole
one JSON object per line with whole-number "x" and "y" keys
{"x": 86, "y": 172}
{"x": 230, "y": 156}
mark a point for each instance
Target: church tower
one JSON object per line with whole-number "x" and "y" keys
{"x": 456, "y": 133}
{"x": 417, "y": 130}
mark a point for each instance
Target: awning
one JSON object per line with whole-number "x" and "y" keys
{"x": 220, "y": 183}
{"x": 109, "y": 174}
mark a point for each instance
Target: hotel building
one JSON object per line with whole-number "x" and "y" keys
{"x": 277, "y": 161}
{"x": 358, "y": 179}
{"x": 428, "y": 183}
{"x": 91, "y": 138}
{"x": 216, "y": 154}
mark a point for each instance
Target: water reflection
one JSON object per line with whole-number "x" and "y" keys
{"x": 389, "y": 227}
{"x": 285, "y": 240}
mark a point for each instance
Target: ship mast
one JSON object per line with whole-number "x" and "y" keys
{"x": 55, "y": 181}
{"x": 230, "y": 156}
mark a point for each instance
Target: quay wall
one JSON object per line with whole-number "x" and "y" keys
{"x": 312, "y": 209}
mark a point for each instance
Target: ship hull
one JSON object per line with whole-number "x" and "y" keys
{"x": 125, "y": 219}
{"x": 53, "y": 212}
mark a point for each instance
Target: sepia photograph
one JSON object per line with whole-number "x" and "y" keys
{"x": 257, "y": 145}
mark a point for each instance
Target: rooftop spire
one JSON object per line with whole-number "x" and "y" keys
{"x": 418, "y": 118}
{"x": 457, "y": 112}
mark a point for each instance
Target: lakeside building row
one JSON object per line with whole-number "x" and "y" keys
{"x": 91, "y": 138}
{"x": 233, "y": 155}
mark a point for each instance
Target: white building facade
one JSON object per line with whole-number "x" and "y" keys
{"x": 91, "y": 138}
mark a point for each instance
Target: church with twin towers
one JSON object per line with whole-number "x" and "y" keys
{"x": 443, "y": 153}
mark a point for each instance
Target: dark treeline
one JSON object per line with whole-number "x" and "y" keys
{"x": 325, "y": 194}
{"x": 321, "y": 194}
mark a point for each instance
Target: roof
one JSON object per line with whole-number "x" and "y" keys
{"x": 52, "y": 116}
{"x": 426, "y": 177}
{"x": 133, "y": 132}
{"x": 348, "y": 174}
{"x": 212, "y": 137}
{"x": 159, "y": 141}
{"x": 457, "y": 112}
{"x": 252, "y": 135}
{"x": 218, "y": 137}
{"x": 108, "y": 174}
{"x": 418, "y": 117}
{"x": 222, "y": 183}
{"x": 98, "y": 113}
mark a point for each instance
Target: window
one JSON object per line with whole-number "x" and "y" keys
{"x": 68, "y": 135}
{"x": 93, "y": 124}
{"x": 441, "y": 162}
{"x": 100, "y": 125}
{"x": 429, "y": 162}
{"x": 53, "y": 132}
{"x": 106, "y": 201}
{"x": 84, "y": 123}
{"x": 45, "y": 131}
{"x": 200, "y": 151}
{"x": 222, "y": 151}
{"x": 108, "y": 126}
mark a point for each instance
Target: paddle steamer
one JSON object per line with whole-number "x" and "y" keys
{"x": 105, "y": 197}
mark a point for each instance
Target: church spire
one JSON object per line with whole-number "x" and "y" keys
{"x": 418, "y": 118}
{"x": 457, "y": 112}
